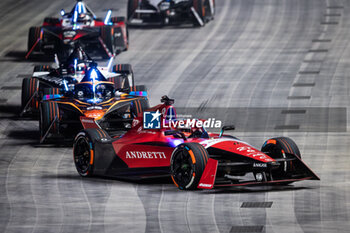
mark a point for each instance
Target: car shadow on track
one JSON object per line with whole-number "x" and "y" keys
{"x": 28, "y": 133}
{"x": 20, "y": 56}
{"x": 165, "y": 184}
{"x": 12, "y": 112}
{"x": 172, "y": 27}
{"x": 99, "y": 179}
{"x": 258, "y": 189}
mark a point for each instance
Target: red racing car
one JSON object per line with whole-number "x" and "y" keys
{"x": 98, "y": 37}
{"x": 195, "y": 158}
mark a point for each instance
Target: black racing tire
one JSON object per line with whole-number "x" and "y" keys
{"x": 140, "y": 88}
{"x": 123, "y": 81}
{"x": 122, "y": 68}
{"x": 139, "y": 106}
{"x": 49, "y": 110}
{"x": 33, "y": 36}
{"x": 51, "y": 91}
{"x": 132, "y": 6}
{"x": 83, "y": 154}
{"x": 208, "y": 13}
{"x": 127, "y": 37}
{"x": 275, "y": 148}
{"x": 84, "y": 150}
{"x": 30, "y": 87}
{"x": 41, "y": 68}
{"x": 187, "y": 164}
{"x": 52, "y": 21}
{"x": 199, "y": 6}
{"x": 118, "y": 19}
{"x": 108, "y": 40}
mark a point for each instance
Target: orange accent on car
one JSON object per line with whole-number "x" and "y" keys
{"x": 192, "y": 156}
{"x": 174, "y": 181}
{"x": 91, "y": 157}
{"x": 96, "y": 114}
{"x": 271, "y": 141}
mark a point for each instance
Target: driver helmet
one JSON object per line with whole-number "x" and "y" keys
{"x": 84, "y": 18}
{"x": 78, "y": 70}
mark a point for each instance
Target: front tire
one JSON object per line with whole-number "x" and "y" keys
{"x": 132, "y": 6}
{"x": 83, "y": 154}
{"x": 187, "y": 165}
{"x": 49, "y": 111}
{"x": 276, "y": 149}
{"x": 30, "y": 87}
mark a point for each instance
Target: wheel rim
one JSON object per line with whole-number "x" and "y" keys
{"x": 182, "y": 167}
{"x": 82, "y": 155}
{"x": 277, "y": 153}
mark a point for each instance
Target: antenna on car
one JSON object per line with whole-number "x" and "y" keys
{"x": 166, "y": 100}
{"x": 226, "y": 127}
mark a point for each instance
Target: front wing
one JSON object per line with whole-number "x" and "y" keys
{"x": 210, "y": 180}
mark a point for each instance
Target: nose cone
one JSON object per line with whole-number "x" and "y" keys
{"x": 238, "y": 147}
{"x": 96, "y": 114}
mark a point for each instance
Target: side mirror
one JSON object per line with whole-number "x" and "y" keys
{"x": 124, "y": 89}
{"x": 175, "y": 133}
{"x": 62, "y": 12}
{"x": 225, "y": 128}
{"x": 165, "y": 99}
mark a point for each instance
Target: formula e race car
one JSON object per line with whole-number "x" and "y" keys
{"x": 195, "y": 158}
{"x": 103, "y": 38}
{"x": 62, "y": 77}
{"x": 165, "y": 12}
{"x": 95, "y": 97}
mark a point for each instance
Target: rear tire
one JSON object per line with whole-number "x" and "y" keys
{"x": 51, "y": 91}
{"x": 275, "y": 148}
{"x": 41, "y": 68}
{"x": 140, "y": 88}
{"x": 52, "y": 21}
{"x": 30, "y": 87}
{"x": 119, "y": 19}
{"x": 139, "y": 106}
{"x": 48, "y": 112}
{"x": 132, "y": 6}
{"x": 187, "y": 165}
{"x": 198, "y": 5}
{"x": 210, "y": 15}
{"x": 123, "y": 81}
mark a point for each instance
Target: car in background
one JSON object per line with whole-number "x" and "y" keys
{"x": 99, "y": 37}
{"x": 62, "y": 77}
{"x": 170, "y": 12}
{"x": 96, "y": 97}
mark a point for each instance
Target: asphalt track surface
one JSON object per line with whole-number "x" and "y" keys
{"x": 263, "y": 53}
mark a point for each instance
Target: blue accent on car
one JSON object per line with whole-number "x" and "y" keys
{"x": 138, "y": 93}
{"x": 50, "y": 97}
